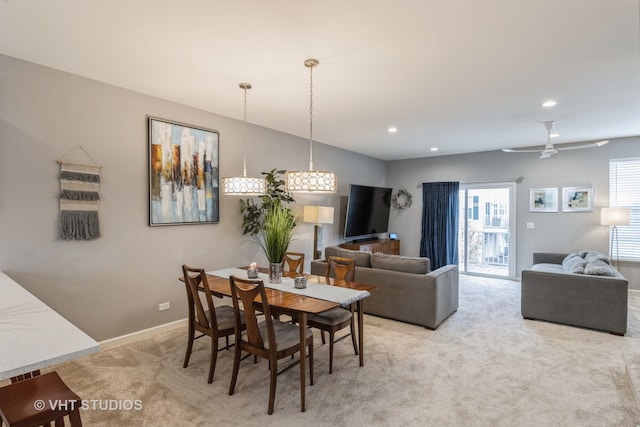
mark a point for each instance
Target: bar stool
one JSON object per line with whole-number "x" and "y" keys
{"x": 28, "y": 403}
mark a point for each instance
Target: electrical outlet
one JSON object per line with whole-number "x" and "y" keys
{"x": 164, "y": 306}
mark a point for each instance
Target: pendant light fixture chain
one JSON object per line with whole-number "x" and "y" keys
{"x": 245, "y": 86}
{"x": 311, "y": 63}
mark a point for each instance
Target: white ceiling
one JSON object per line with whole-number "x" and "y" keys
{"x": 460, "y": 75}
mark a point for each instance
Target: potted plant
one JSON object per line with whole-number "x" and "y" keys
{"x": 275, "y": 236}
{"x": 253, "y": 213}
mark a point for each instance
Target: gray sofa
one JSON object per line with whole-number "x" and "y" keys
{"x": 406, "y": 289}
{"x": 579, "y": 289}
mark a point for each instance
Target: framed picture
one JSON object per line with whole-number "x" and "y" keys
{"x": 577, "y": 199}
{"x": 183, "y": 174}
{"x": 543, "y": 200}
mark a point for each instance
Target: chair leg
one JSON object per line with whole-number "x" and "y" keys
{"x": 214, "y": 358}
{"x": 331, "y": 352}
{"x": 236, "y": 367}
{"x": 74, "y": 418}
{"x": 322, "y": 335}
{"x": 310, "y": 351}
{"x": 353, "y": 336}
{"x": 192, "y": 334}
{"x": 272, "y": 383}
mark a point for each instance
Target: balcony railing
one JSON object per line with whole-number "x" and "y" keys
{"x": 496, "y": 221}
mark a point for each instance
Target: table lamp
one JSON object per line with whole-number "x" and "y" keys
{"x": 318, "y": 215}
{"x": 614, "y": 217}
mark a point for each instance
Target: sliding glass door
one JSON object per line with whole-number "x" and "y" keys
{"x": 486, "y": 237}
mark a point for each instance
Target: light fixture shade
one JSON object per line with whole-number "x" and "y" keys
{"x": 311, "y": 181}
{"x": 614, "y": 216}
{"x": 244, "y": 186}
{"x": 318, "y": 214}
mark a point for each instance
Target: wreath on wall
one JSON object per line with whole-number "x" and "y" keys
{"x": 402, "y": 199}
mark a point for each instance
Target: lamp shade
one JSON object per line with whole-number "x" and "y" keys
{"x": 243, "y": 186}
{"x": 311, "y": 181}
{"x": 614, "y": 216}
{"x": 318, "y": 214}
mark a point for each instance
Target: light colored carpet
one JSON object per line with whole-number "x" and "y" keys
{"x": 484, "y": 366}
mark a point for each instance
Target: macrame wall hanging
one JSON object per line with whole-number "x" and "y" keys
{"x": 79, "y": 198}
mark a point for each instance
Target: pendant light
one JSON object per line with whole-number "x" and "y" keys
{"x": 311, "y": 181}
{"x": 244, "y": 185}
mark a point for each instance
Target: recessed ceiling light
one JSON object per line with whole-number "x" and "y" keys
{"x": 434, "y": 148}
{"x": 550, "y": 103}
{"x": 392, "y": 129}
{"x": 554, "y": 135}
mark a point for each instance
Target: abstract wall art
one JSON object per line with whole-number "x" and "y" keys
{"x": 183, "y": 173}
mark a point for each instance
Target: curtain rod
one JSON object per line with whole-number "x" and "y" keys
{"x": 517, "y": 180}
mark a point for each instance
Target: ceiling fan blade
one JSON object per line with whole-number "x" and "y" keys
{"x": 517, "y": 150}
{"x": 546, "y": 151}
{"x": 578, "y": 147}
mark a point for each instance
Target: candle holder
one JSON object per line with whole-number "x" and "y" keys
{"x": 300, "y": 282}
{"x": 252, "y": 271}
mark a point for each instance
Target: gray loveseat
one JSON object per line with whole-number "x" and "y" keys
{"x": 579, "y": 289}
{"x": 406, "y": 289}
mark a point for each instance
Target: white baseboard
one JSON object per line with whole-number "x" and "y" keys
{"x": 143, "y": 334}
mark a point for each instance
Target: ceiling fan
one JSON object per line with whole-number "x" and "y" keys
{"x": 549, "y": 150}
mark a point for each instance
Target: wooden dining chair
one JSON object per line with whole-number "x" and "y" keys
{"x": 214, "y": 322}
{"x": 269, "y": 339}
{"x": 20, "y": 402}
{"x": 342, "y": 268}
{"x": 338, "y": 318}
{"x": 293, "y": 262}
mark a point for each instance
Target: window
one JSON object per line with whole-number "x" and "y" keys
{"x": 475, "y": 207}
{"x": 624, "y": 191}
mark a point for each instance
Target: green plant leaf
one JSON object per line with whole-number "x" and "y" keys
{"x": 277, "y": 232}
{"x": 253, "y": 214}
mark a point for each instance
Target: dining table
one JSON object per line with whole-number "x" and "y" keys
{"x": 320, "y": 294}
{"x": 33, "y": 335}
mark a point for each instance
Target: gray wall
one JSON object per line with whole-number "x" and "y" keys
{"x": 113, "y": 285}
{"x": 556, "y": 232}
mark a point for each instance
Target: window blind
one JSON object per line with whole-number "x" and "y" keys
{"x": 624, "y": 191}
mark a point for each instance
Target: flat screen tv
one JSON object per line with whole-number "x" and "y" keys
{"x": 367, "y": 211}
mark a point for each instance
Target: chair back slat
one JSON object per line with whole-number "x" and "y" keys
{"x": 294, "y": 261}
{"x": 246, "y": 291}
{"x": 195, "y": 279}
{"x": 342, "y": 268}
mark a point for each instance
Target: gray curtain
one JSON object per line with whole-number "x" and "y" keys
{"x": 439, "y": 240}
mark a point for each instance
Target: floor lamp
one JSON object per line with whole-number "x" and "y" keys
{"x": 614, "y": 217}
{"x": 318, "y": 215}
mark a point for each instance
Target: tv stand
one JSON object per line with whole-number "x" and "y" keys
{"x": 366, "y": 239}
{"x": 391, "y": 247}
